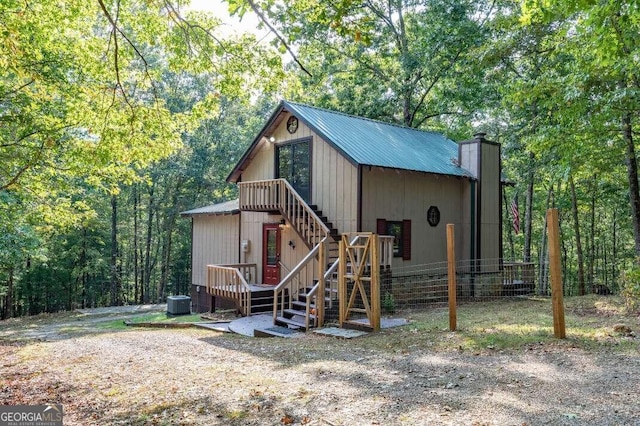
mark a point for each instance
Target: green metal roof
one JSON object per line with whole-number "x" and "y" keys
{"x": 374, "y": 143}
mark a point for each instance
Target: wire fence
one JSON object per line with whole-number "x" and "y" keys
{"x": 476, "y": 280}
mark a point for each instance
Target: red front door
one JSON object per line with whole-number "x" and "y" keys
{"x": 271, "y": 253}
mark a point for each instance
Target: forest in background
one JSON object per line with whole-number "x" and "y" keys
{"x": 117, "y": 115}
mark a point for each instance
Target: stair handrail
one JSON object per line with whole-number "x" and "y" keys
{"x": 314, "y": 290}
{"x": 279, "y": 195}
{"x": 229, "y": 282}
{"x": 278, "y": 291}
{"x": 296, "y": 210}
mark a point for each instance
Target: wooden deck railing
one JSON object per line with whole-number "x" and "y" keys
{"x": 522, "y": 271}
{"x": 287, "y": 291}
{"x": 329, "y": 284}
{"x": 228, "y": 281}
{"x": 279, "y": 195}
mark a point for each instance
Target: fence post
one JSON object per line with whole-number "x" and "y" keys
{"x": 375, "y": 282}
{"x": 451, "y": 273}
{"x": 555, "y": 273}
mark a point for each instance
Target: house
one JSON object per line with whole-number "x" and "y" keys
{"x": 312, "y": 173}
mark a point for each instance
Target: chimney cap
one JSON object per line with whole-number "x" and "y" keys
{"x": 480, "y": 135}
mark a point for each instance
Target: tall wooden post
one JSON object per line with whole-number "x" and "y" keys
{"x": 375, "y": 283}
{"x": 322, "y": 266}
{"x": 555, "y": 273}
{"x": 342, "y": 283}
{"x": 451, "y": 272}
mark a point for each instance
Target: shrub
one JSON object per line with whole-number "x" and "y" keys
{"x": 389, "y": 303}
{"x": 630, "y": 288}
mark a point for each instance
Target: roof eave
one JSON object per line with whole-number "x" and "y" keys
{"x": 239, "y": 168}
{"x": 323, "y": 135}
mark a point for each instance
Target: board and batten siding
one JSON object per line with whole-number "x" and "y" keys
{"x": 396, "y": 195}
{"x": 215, "y": 242}
{"x": 490, "y": 202}
{"x": 334, "y": 180}
{"x": 251, "y": 230}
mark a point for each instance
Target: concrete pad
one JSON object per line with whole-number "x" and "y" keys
{"x": 247, "y": 325}
{"x": 393, "y": 322}
{"x": 215, "y": 326}
{"x": 277, "y": 331}
{"x": 342, "y": 333}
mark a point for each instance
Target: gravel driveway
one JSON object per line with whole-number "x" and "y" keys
{"x": 399, "y": 376}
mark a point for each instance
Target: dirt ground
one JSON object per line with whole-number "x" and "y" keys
{"x": 412, "y": 375}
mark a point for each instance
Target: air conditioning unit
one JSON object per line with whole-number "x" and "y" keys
{"x": 178, "y": 305}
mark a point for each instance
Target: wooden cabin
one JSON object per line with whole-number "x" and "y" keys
{"x": 312, "y": 175}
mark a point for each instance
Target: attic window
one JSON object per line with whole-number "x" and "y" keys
{"x": 401, "y": 232}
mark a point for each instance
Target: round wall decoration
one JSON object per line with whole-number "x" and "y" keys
{"x": 433, "y": 216}
{"x": 292, "y": 124}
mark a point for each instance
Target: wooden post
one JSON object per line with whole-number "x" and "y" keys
{"x": 375, "y": 283}
{"x": 342, "y": 282}
{"x": 322, "y": 266}
{"x": 555, "y": 273}
{"x": 451, "y": 272}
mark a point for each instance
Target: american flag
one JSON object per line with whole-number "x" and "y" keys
{"x": 516, "y": 214}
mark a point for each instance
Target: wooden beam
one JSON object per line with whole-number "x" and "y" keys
{"x": 555, "y": 273}
{"x": 342, "y": 282}
{"x": 375, "y": 283}
{"x": 451, "y": 273}
{"x": 322, "y": 266}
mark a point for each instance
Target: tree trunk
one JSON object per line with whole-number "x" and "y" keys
{"x": 115, "y": 279}
{"x": 592, "y": 237}
{"x": 576, "y": 228}
{"x": 7, "y": 312}
{"x": 509, "y": 227}
{"x": 136, "y": 273}
{"x": 529, "y": 211}
{"x": 632, "y": 174}
{"x": 614, "y": 253}
{"x": 147, "y": 258}
{"x": 543, "y": 286}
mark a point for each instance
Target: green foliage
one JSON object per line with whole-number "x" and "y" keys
{"x": 630, "y": 288}
{"x": 388, "y": 303}
{"x": 410, "y": 62}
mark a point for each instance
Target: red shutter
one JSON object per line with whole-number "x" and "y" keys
{"x": 406, "y": 239}
{"x": 381, "y": 226}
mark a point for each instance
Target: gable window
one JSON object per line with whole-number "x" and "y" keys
{"x": 293, "y": 163}
{"x": 401, "y": 232}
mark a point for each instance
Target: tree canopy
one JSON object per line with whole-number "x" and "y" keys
{"x": 117, "y": 114}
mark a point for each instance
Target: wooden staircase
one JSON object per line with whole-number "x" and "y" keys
{"x": 297, "y": 304}
{"x": 296, "y": 316}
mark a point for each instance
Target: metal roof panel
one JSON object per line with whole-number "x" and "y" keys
{"x": 374, "y": 143}
{"x": 228, "y": 207}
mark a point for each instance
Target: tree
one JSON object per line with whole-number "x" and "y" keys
{"x": 603, "y": 38}
{"x": 410, "y": 62}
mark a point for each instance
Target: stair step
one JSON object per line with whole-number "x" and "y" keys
{"x": 302, "y": 306}
{"x": 295, "y": 312}
{"x": 290, "y": 322}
